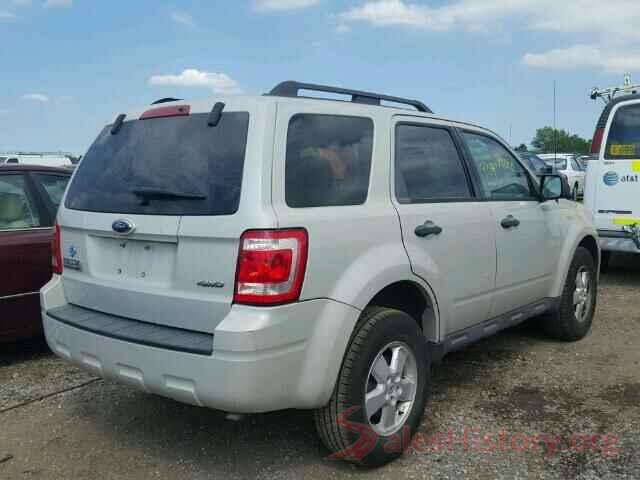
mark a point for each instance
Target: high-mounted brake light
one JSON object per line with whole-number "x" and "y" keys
{"x": 271, "y": 266}
{"x": 596, "y": 143}
{"x": 162, "y": 112}
{"x": 56, "y": 250}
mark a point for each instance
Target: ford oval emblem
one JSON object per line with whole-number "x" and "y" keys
{"x": 123, "y": 226}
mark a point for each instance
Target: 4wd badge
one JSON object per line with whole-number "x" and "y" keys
{"x": 70, "y": 261}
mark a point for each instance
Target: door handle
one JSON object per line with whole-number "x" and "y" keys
{"x": 427, "y": 228}
{"x": 510, "y": 222}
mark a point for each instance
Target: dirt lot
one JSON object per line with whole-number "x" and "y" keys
{"x": 525, "y": 403}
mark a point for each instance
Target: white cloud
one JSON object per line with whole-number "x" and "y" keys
{"x": 584, "y": 56}
{"x": 615, "y": 18}
{"x": 4, "y": 111}
{"x": 36, "y": 97}
{"x": 7, "y": 16}
{"x": 183, "y": 18}
{"x": 607, "y": 30}
{"x": 217, "y": 82}
{"x": 284, "y": 4}
{"x": 58, "y": 3}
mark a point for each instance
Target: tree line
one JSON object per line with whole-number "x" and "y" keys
{"x": 550, "y": 140}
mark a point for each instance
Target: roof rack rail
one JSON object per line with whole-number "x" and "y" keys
{"x": 291, "y": 89}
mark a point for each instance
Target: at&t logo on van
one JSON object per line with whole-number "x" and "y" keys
{"x": 611, "y": 178}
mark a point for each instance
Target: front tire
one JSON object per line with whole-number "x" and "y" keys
{"x": 605, "y": 260}
{"x": 382, "y": 388}
{"x": 572, "y": 320}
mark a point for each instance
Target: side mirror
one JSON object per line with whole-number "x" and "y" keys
{"x": 547, "y": 170}
{"x": 551, "y": 187}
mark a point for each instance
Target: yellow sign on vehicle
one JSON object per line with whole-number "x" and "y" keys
{"x": 635, "y": 166}
{"x": 626, "y": 221}
{"x": 621, "y": 150}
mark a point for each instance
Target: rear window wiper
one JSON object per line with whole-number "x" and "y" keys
{"x": 147, "y": 193}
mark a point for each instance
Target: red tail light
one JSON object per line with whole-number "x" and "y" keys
{"x": 596, "y": 143}
{"x": 163, "y": 112}
{"x": 271, "y": 266}
{"x": 56, "y": 250}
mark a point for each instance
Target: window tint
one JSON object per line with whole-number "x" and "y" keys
{"x": 428, "y": 166}
{"x": 624, "y": 134}
{"x": 164, "y": 166}
{"x": 54, "y": 185}
{"x": 17, "y": 209}
{"x": 12, "y": 160}
{"x": 535, "y": 162}
{"x": 501, "y": 176}
{"x": 328, "y": 160}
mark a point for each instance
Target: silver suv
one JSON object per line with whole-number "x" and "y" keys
{"x": 253, "y": 254}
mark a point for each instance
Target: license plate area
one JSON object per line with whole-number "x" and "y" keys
{"x": 139, "y": 261}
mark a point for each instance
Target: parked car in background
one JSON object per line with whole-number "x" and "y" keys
{"x": 568, "y": 164}
{"x": 613, "y": 185}
{"x": 29, "y": 199}
{"x": 307, "y": 253}
{"x": 44, "y": 159}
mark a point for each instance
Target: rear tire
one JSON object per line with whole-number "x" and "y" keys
{"x": 378, "y": 400}
{"x": 572, "y": 320}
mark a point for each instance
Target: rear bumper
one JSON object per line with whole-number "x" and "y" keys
{"x": 617, "y": 241}
{"x": 263, "y": 359}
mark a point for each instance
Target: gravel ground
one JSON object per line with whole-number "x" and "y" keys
{"x": 525, "y": 402}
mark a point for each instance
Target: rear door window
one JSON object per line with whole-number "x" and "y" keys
{"x": 428, "y": 166}
{"x": 17, "y": 207}
{"x": 624, "y": 134}
{"x": 328, "y": 160}
{"x": 164, "y": 166}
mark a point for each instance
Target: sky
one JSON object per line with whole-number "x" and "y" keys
{"x": 68, "y": 67}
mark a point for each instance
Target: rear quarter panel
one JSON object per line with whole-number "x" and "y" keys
{"x": 355, "y": 250}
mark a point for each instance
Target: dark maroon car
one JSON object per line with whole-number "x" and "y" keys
{"x": 29, "y": 199}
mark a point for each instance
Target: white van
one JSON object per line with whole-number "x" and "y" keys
{"x": 45, "y": 159}
{"x": 612, "y": 192}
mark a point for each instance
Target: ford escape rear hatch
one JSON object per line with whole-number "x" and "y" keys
{"x": 144, "y": 236}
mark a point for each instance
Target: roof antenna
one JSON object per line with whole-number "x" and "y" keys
{"x": 216, "y": 113}
{"x": 117, "y": 125}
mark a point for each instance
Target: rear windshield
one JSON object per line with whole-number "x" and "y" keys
{"x": 556, "y": 162}
{"x": 164, "y": 166}
{"x": 624, "y": 134}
